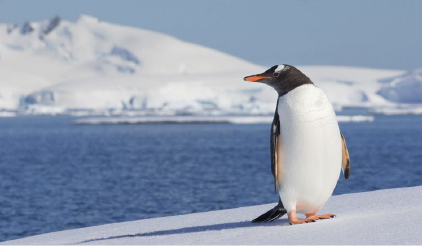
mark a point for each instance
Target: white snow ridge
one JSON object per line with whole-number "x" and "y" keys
{"x": 377, "y": 217}
{"x": 92, "y": 67}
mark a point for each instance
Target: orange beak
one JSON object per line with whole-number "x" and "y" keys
{"x": 256, "y": 78}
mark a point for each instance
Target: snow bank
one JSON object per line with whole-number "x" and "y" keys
{"x": 199, "y": 119}
{"x": 377, "y": 217}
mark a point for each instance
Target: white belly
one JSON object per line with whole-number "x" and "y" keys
{"x": 310, "y": 163}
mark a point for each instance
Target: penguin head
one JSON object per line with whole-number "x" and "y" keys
{"x": 283, "y": 78}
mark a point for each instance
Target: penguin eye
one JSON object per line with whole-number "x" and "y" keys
{"x": 276, "y": 74}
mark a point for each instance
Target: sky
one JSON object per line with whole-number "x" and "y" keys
{"x": 375, "y": 33}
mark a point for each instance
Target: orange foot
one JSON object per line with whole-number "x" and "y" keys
{"x": 309, "y": 217}
{"x": 315, "y": 216}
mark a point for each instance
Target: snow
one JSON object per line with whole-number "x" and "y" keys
{"x": 355, "y": 118}
{"x": 92, "y": 66}
{"x": 13, "y": 84}
{"x": 200, "y": 119}
{"x": 174, "y": 119}
{"x": 400, "y": 110}
{"x": 377, "y": 217}
{"x": 406, "y": 88}
{"x": 348, "y": 86}
{"x": 7, "y": 114}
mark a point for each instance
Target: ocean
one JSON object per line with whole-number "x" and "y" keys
{"x": 55, "y": 175}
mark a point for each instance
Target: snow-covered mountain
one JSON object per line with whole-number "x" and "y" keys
{"x": 91, "y": 66}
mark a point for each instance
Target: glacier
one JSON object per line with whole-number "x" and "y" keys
{"x": 92, "y": 67}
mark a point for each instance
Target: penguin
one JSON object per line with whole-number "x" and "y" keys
{"x": 308, "y": 151}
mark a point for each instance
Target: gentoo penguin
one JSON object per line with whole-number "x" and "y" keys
{"x": 307, "y": 148}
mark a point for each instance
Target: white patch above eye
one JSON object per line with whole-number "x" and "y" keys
{"x": 279, "y": 68}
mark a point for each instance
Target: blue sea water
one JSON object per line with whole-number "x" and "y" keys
{"x": 56, "y": 176}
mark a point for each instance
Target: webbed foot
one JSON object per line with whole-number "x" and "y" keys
{"x": 309, "y": 217}
{"x": 315, "y": 216}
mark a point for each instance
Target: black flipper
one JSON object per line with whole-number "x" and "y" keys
{"x": 278, "y": 210}
{"x": 275, "y": 134}
{"x": 272, "y": 214}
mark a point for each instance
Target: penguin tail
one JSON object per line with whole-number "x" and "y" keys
{"x": 271, "y": 214}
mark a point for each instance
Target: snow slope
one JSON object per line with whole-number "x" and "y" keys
{"x": 59, "y": 67}
{"x": 377, "y": 217}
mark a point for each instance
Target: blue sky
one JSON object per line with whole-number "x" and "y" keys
{"x": 373, "y": 33}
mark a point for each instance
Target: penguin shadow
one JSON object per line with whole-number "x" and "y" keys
{"x": 193, "y": 229}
